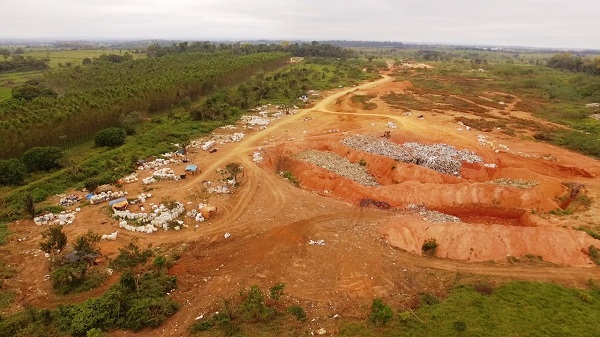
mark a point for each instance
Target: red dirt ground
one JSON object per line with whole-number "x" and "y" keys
{"x": 368, "y": 252}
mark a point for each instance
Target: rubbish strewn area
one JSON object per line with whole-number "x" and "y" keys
{"x": 442, "y": 158}
{"x": 430, "y": 215}
{"x": 339, "y": 165}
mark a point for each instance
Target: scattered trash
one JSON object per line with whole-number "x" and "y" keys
{"x": 316, "y": 243}
{"x": 227, "y": 235}
{"x": 431, "y": 216}
{"x": 69, "y": 200}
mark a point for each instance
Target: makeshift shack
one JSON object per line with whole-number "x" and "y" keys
{"x": 118, "y": 204}
{"x": 208, "y": 211}
{"x": 191, "y": 169}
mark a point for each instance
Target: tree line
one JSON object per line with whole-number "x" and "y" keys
{"x": 314, "y": 49}
{"x": 22, "y": 63}
{"x": 575, "y": 63}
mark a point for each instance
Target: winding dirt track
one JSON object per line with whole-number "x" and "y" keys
{"x": 271, "y": 222}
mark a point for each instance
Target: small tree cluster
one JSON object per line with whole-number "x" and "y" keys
{"x": 111, "y": 137}
{"x": 429, "y": 247}
{"x": 42, "y": 158}
{"x": 381, "y": 313}
{"x": 12, "y": 172}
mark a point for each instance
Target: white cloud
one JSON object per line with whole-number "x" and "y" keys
{"x": 546, "y": 23}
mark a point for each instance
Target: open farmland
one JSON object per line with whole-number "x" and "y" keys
{"x": 336, "y": 201}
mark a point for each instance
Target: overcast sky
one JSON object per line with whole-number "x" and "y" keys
{"x": 535, "y": 23}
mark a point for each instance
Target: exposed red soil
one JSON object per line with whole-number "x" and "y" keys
{"x": 368, "y": 252}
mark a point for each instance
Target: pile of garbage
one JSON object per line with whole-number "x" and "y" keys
{"x": 165, "y": 174}
{"x": 592, "y": 105}
{"x": 339, "y": 165}
{"x": 160, "y": 217}
{"x": 132, "y": 178}
{"x": 68, "y": 200}
{"x": 106, "y": 196}
{"x": 151, "y": 165}
{"x": 392, "y": 125}
{"x": 442, "y": 158}
{"x": 63, "y": 218}
{"x": 595, "y": 116}
{"x": 518, "y": 183}
{"x": 257, "y": 157}
{"x": 431, "y": 216}
{"x": 255, "y": 120}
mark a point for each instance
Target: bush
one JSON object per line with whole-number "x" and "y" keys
{"x": 12, "y": 172}
{"x": 276, "y": 291}
{"x": 42, "y": 158}
{"x": 381, "y": 314}
{"x": 429, "y": 299}
{"x": 298, "y": 312}
{"x": 111, "y": 137}
{"x": 429, "y": 247}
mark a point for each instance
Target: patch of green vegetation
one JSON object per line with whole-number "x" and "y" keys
{"x": 364, "y": 101}
{"x": 249, "y": 314}
{"x": 513, "y": 309}
{"x": 4, "y": 232}
{"x": 594, "y": 254}
{"x": 381, "y": 313}
{"x": 289, "y": 176}
{"x": 135, "y": 303}
{"x": 429, "y": 247}
{"x": 589, "y": 231}
{"x": 298, "y": 312}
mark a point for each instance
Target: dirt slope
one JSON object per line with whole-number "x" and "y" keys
{"x": 368, "y": 252}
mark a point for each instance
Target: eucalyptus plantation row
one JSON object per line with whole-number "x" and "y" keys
{"x": 75, "y": 103}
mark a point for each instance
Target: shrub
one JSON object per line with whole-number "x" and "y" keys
{"x": 429, "y": 247}
{"x": 594, "y": 254}
{"x": 12, "y": 172}
{"x": 111, "y": 137}
{"x": 253, "y": 307}
{"x": 429, "y": 299}
{"x": 289, "y": 176}
{"x": 276, "y": 291}
{"x": 459, "y": 326}
{"x": 483, "y": 288}
{"x": 381, "y": 314}
{"x": 298, "y": 312}
{"x": 42, "y": 158}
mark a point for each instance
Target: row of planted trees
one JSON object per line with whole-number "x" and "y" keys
{"x": 79, "y": 101}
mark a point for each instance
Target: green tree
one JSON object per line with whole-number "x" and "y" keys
{"x": 29, "y": 204}
{"x": 5, "y": 52}
{"x": 111, "y": 137}
{"x": 12, "y": 172}
{"x": 42, "y": 158}
{"x": 233, "y": 169}
{"x": 54, "y": 240}
{"x": 130, "y": 121}
{"x": 86, "y": 61}
{"x": 30, "y": 90}
{"x": 381, "y": 313}
{"x": 87, "y": 243}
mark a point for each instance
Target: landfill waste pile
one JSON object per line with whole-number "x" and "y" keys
{"x": 106, "y": 196}
{"x": 151, "y": 165}
{"x": 68, "y": 200}
{"x": 431, "y": 216}
{"x": 63, "y": 218}
{"x": 339, "y": 165}
{"x": 518, "y": 183}
{"x": 442, "y": 158}
{"x": 160, "y": 217}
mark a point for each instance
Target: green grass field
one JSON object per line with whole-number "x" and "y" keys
{"x": 513, "y": 309}
{"x": 74, "y": 56}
